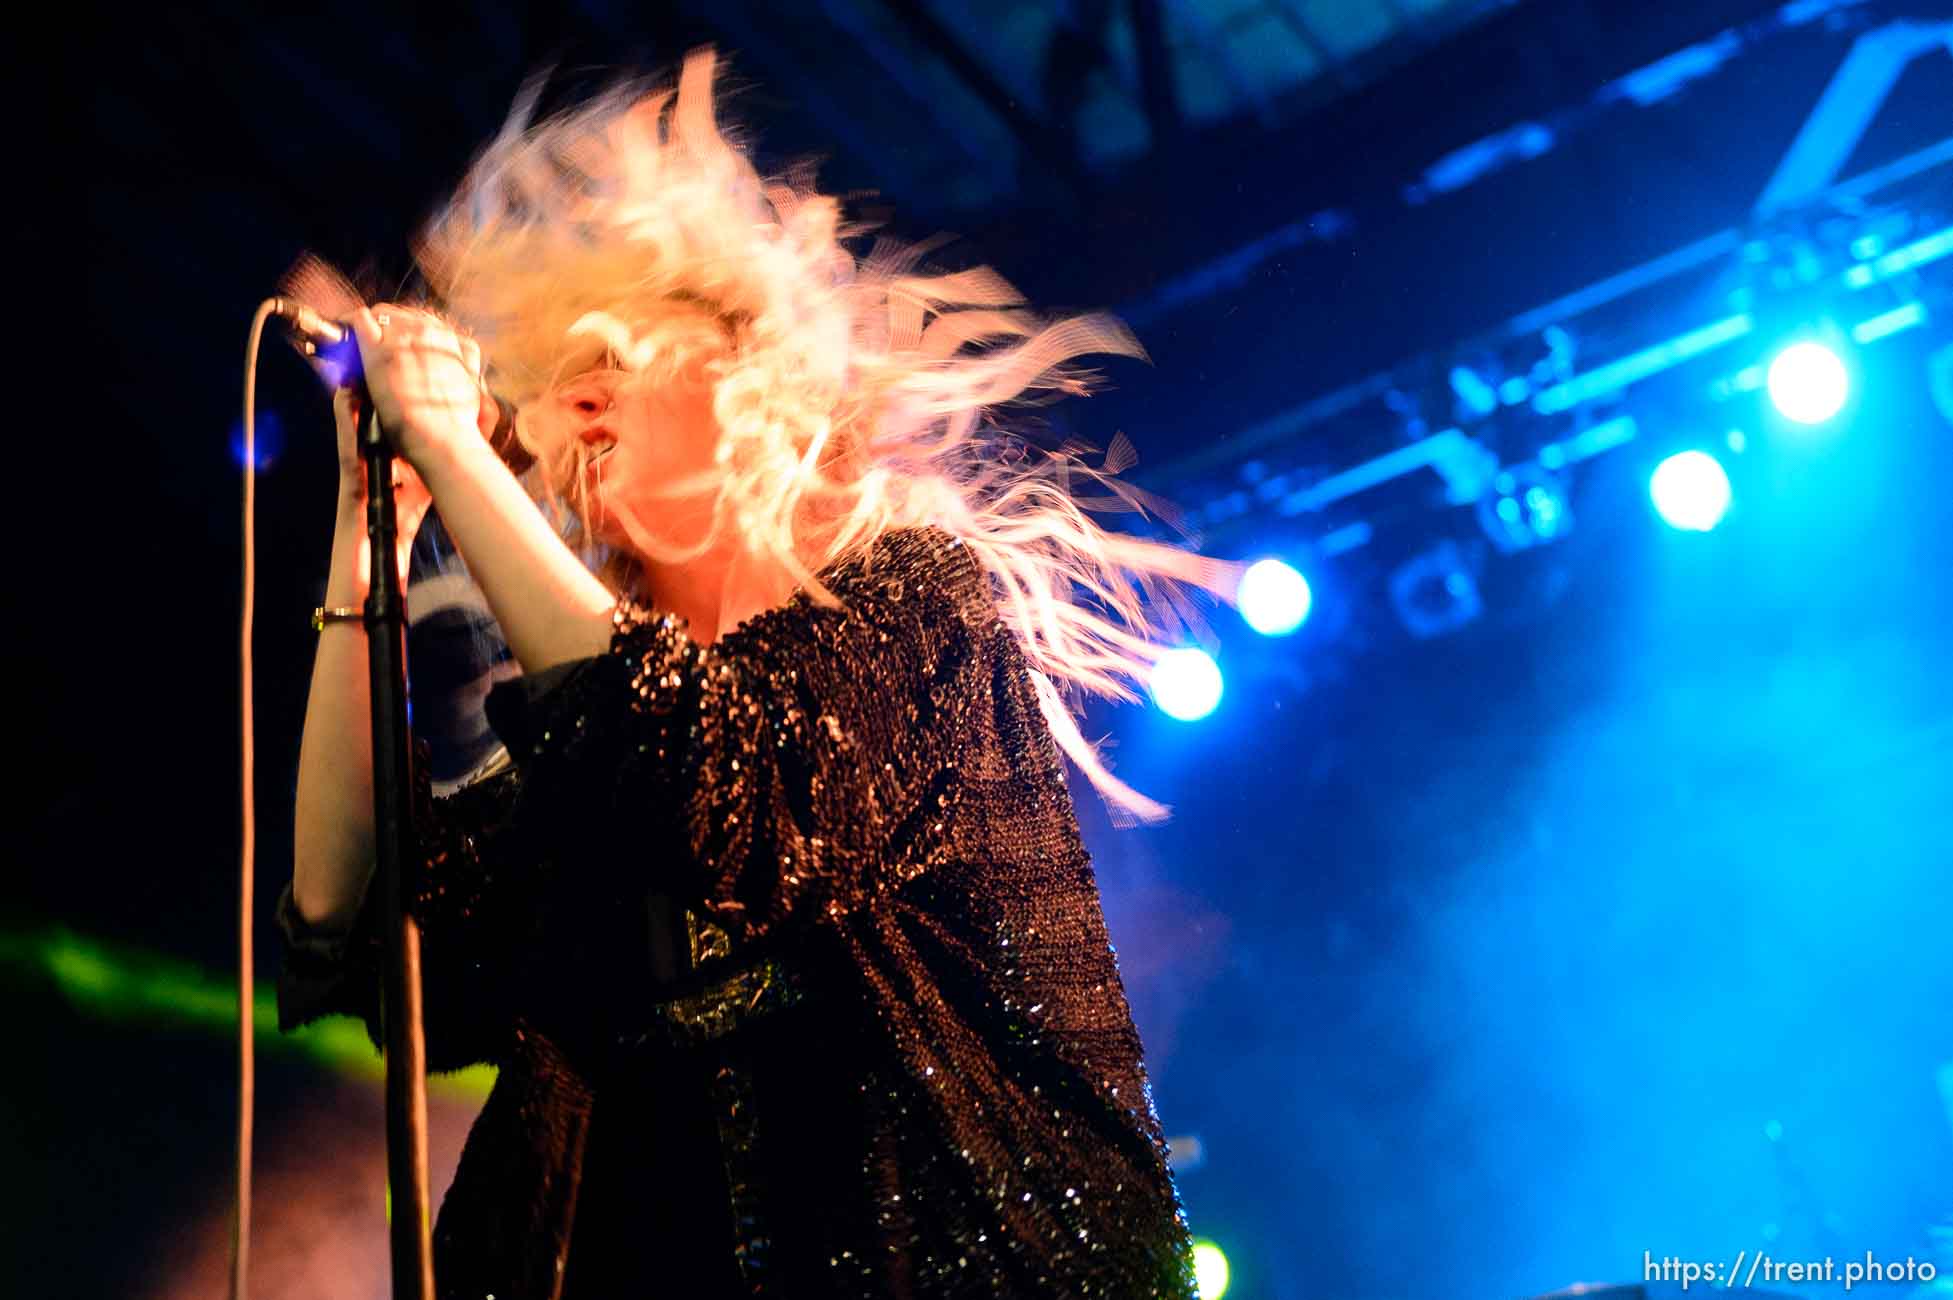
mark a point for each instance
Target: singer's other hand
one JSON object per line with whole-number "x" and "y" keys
{"x": 425, "y": 380}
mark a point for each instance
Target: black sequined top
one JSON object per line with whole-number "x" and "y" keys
{"x": 793, "y": 963}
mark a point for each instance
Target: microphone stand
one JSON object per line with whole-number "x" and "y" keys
{"x": 410, "y": 1229}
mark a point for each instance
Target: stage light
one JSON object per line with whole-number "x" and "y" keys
{"x": 1808, "y": 383}
{"x": 1690, "y": 491}
{"x": 1210, "y": 1269}
{"x": 1274, "y": 598}
{"x": 1526, "y": 507}
{"x": 127, "y": 985}
{"x": 1475, "y": 397}
{"x": 1434, "y": 592}
{"x": 1888, "y": 323}
{"x": 1186, "y": 684}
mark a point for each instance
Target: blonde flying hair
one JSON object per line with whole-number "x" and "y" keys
{"x": 854, "y": 395}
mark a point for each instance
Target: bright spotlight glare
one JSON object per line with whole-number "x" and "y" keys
{"x": 1210, "y": 1269}
{"x": 1186, "y": 684}
{"x": 1274, "y": 598}
{"x": 1808, "y": 383}
{"x": 1690, "y": 491}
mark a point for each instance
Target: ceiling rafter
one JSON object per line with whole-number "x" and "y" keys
{"x": 848, "y": 17}
{"x": 1037, "y": 139}
{"x": 1212, "y": 41}
{"x": 1156, "y": 89}
{"x": 753, "y": 34}
{"x": 1305, "y": 31}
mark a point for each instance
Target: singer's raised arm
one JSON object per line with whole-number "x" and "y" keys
{"x": 330, "y": 922}
{"x": 550, "y": 608}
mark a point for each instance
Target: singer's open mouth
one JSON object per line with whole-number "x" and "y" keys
{"x": 599, "y": 455}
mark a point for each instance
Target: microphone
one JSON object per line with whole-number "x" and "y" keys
{"x": 335, "y": 353}
{"x": 328, "y": 343}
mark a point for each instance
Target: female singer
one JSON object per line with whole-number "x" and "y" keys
{"x": 777, "y": 921}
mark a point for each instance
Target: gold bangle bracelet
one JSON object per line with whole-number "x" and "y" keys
{"x": 322, "y": 616}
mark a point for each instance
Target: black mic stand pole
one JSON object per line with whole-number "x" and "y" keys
{"x": 410, "y": 1230}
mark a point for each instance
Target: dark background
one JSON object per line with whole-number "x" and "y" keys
{"x": 1479, "y": 965}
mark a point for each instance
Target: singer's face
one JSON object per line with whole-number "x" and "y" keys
{"x": 647, "y": 451}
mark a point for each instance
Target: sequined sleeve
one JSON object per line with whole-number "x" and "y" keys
{"x": 468, "y": 891}
{"x": 802, "y": 765}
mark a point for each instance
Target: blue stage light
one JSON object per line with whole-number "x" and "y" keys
{"x": 1435, "y": 592}
{"x": 1690, "y": 491}
{"x": 1808, "y": 383}
{"x": 1186, "y": 684}
{"x": 1274, "y": 598}
{"x": 1527, "y": 506}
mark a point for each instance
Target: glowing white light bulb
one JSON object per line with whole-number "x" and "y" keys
{"x": 1690, "y": 491}
{"x": 1186, "y": 684}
